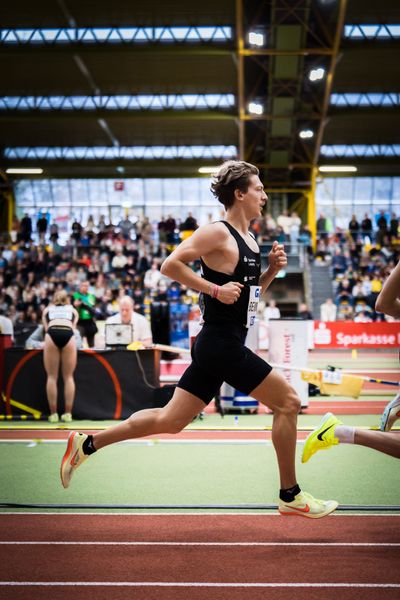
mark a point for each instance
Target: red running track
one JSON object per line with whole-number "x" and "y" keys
{"x": 280, "y": 560}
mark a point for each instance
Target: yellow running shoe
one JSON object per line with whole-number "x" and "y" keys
{"x": 390, "y": 414}
{"x": 322, "y": 437}
{"x": 73, "y": 456}
{"x": 305, "y": 505}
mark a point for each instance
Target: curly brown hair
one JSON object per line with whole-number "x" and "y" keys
{"x": 232, "y": 175}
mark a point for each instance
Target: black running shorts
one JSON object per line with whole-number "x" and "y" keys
{"x": 219, "y": 355}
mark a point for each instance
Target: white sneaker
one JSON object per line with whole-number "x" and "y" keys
{"x": 390, "y": 414}
{"x": 305, "y": 505}
{"x": 66, "y": 417}
{"x": 53, "y": 418}
{"x": 73, "y": 456}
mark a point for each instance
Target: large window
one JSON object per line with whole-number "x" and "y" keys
{"x": 340, "y": 197}
{"x": 66, "y": 199}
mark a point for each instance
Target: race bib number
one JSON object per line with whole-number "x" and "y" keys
{"x": 254, "y": 297}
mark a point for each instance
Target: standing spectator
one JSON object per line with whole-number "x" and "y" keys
{"x": 271, "y": 311}
{"x": 152, "y": 277}
{"x": 354, "y": 228}
{"x": 189, "y": 224}
{"x": 304, "y": 313}
{"x": 328, "y": 311}
{"x": 285, "y": 222}
{"x": 382, "y": 227}
{"x": 126, "y": 227}
{"x": 41, "y": 227}
{"x": 366, "y": 228}
{"x": 162, "y": 233}
{"x": 25, "y": 228}
{"x": 170, "y": 226}
{"x": 54, "y": 233}
{"x": 394, "y": 227}
{"x": 294, "y": 232}
{"x": 322, "y": 229}
{"x": 76, "y": 231}
{"x": 85, "y": 302}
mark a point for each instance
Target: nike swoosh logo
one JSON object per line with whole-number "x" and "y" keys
{"x": 306, "y": 509}
{"x": 319, "y": 436}
{"x": 74, "y": 459}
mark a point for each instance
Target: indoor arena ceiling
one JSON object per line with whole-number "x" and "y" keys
{"x": 161, "y": 88}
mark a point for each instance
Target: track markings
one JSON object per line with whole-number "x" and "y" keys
{"x": 198, "y": 584}
{"x": 206, "y": 544}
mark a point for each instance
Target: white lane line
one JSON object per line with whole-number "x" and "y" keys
{"x": 206, "y": 544}
{"x": 181, "y": 512}
{"x": 213, "y": 584}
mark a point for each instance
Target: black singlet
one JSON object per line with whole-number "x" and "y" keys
{"x": 247, "y": 271}
{"x": 219, "y": 353}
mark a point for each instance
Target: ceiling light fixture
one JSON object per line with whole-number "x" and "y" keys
{"x": 306, "y": 134}
{"x": 256, "y": 39}
{"x": 337, "y": 169}
{"x": 255, "y": 108}
{"x": 316, "y": 74}
{"x": 208, "y": 170}
{"x": 23, "y": 171}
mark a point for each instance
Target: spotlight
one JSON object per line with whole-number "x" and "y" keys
{"x": 337, "y": 169}
{"x": 22, "y": 171}
{"x": 256, "y": 39}
{"x": 306, "y": 134}
{"x": 255, "y": 108}
{"x": 316, "y": 74}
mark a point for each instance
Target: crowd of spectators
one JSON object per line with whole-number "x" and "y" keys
{"x": 360, "y": 258}
{"x": 125, "y": 259}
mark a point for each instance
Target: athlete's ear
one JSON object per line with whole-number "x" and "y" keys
{"x": 238, "y": 194}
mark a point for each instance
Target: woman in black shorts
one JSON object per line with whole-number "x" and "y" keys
{"x": 59, "y": 322}
{"x": 230, "y": 288}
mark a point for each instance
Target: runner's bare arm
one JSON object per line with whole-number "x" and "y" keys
{"x": 388, "y": 300}
{"x": 205, "y": 240}
{"x": 277, "y": 260}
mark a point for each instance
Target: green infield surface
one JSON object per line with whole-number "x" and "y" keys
{"x": 237, "y": 469}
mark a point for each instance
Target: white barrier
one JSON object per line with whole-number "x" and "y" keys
{"x": 288, "y": 346}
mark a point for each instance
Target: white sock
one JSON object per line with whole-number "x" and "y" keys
{"x": 345, "y": 434}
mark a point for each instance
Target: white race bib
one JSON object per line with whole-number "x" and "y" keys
{"x": 254, "y": 297}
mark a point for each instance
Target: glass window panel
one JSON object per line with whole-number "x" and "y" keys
{"x": 60, "y": 192}
{"x": 97, "y": 191}
{"x": 396, "y": 188}
{"x": 325, "y": 190}
{"x": 153, "y": 190}
{"x": 172, "y": 192}
{"x": 344, "y": 188}
{"x": 78, "y": 192}
{"x": 363, "y": 188}
{"x": 382, "y": 188}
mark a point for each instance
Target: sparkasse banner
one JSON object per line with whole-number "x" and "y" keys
{"x": 347, "y": 334}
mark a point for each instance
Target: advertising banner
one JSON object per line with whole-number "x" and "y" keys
{"x": 348, "y": 335}
{"x": 288, "y": 346}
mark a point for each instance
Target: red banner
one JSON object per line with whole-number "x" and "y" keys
{"x": 347, "y": 334}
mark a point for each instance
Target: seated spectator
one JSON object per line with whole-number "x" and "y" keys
{"x": 304, "y": 313}
{"x": 363, "y": 317}
{"x": 271, "y": 311}
{"x": 339, "y": 263}
{"x": 128, "y": 316}
{"x": 328, "y": 310}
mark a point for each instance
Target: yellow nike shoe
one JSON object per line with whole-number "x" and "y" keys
{"x": 322, "y": 437}
{"x": 305, "y": 505}
{"x": 73, "y": 456}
